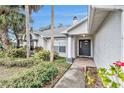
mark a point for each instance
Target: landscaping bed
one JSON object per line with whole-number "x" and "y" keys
{"x": 31, "y": 73}
{"x": 62, "y": 67}
{"x": 92, "y": 80}
{"x": 17, "y": 62}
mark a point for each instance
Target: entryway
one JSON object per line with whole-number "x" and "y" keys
{"x": 85, "y": 47}
{"x": 74, "y": 77}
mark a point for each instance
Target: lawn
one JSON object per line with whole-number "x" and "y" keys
{"x": 31, "y": 73}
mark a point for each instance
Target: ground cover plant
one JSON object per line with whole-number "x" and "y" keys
{"x": 32, "y": 73}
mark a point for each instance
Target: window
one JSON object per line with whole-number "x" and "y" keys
{"x": 61, "y": 48}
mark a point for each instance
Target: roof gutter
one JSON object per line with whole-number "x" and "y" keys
{"x": 91, "y": 13}
{"x": 107, "y": 7}
{"x": 92, "y": 10}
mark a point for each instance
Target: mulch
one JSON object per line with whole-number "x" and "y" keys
{"x": 92, "y": 71}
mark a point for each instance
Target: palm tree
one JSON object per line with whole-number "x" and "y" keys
{"x": 52, "y": 35}
{"x": 5, "y": 22}
{"x": 18, "y": 26}
{"x": 28, "y": 11}
{"x": 27, "y": 30}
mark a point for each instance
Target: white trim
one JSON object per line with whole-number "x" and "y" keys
{"x": 69, "y": 47}
{"x": 122, "y": 36}
{"x": 102, "y": 8}
{"x": 75, "y": 25}
{"x": 73, "y": 47}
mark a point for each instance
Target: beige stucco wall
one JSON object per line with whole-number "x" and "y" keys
{"x": 107, "y": 41}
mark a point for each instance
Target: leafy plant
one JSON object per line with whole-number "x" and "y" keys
{"x": 34, "y": 77}
{"x": 42, "y": 55}
{"x": 37, "y": 49}
{"x": 112, "y": 77}
{"x": 90, "y": 79}
{"x": 16, "y": 53}
{"x": 18, "y": 62}
{"x": 2, "y": 54}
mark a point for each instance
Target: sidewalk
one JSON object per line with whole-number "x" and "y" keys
{"x": 74, "y": 77}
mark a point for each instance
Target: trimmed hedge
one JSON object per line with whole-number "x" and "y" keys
{"x": 16, "y": 53}
{"x": 34, "y": 77}
{"x": 17, "y": 62}
{"x": 44, "y": 55}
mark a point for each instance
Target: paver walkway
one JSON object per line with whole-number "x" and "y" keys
{"x": 74, "y": 77}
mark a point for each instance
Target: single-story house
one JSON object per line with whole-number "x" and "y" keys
{"x": 42, "y": 39}
{"x": 99, "y": 36}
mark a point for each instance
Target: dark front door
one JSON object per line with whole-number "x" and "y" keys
{"x": 84, "y": 47}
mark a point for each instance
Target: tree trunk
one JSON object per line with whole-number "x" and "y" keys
{"x": 27, "y": 30}
{"x": 52, "y": 35}
{"x": 18, "y": 42}
{"x": 4, "y": 38}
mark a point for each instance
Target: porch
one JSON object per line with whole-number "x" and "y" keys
{"x": 79, "y": 46}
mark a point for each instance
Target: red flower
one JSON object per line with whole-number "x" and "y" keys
{"x": 119, "y": 63}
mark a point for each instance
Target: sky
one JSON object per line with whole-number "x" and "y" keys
{"x": 63, "y": 15}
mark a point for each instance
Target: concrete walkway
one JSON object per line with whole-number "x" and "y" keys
{"x": 74, "y": 77}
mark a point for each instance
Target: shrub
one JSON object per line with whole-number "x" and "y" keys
{"x": 44, "y": 55}
{"x": 37, "y": 49}
{"x": 2, "y": 54}
{"x": 34, "y": 77}
{"x": 112, "y": 77}
{"x": 16, "y": 53}
{"x": 18, "y": 62}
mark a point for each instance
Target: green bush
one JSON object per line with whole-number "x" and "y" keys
{"x": 16, "y": 53}
{"x": 2, "y": 54}
{"x": 17, "y": 62}
{"x": 37, "y": 49}
{"x": 43, "y": 55}
{"x": 34, "y": 77}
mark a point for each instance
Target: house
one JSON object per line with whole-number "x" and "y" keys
{"x": 42, "y": 39}
{"x": 100, "y": 36}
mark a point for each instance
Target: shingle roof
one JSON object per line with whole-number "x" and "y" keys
{"x": 57, "y": 33}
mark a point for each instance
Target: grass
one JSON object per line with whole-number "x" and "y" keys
{"x": 8, "y": 72}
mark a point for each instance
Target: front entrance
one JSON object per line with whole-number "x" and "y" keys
{"x": 85, "y": 47}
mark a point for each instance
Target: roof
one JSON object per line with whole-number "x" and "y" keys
{"x": 97, "y": 15}
{"x": 74, "y": 25}
{"x": 47, "y": 33}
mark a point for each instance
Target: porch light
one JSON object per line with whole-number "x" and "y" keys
{"x": 84, "y": 35}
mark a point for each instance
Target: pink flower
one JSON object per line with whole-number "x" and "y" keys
{"x": 119, "y": 63}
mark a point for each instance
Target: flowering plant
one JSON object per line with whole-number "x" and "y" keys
{"x": 114, "y": 76}
{"x": 119, "y": 63}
